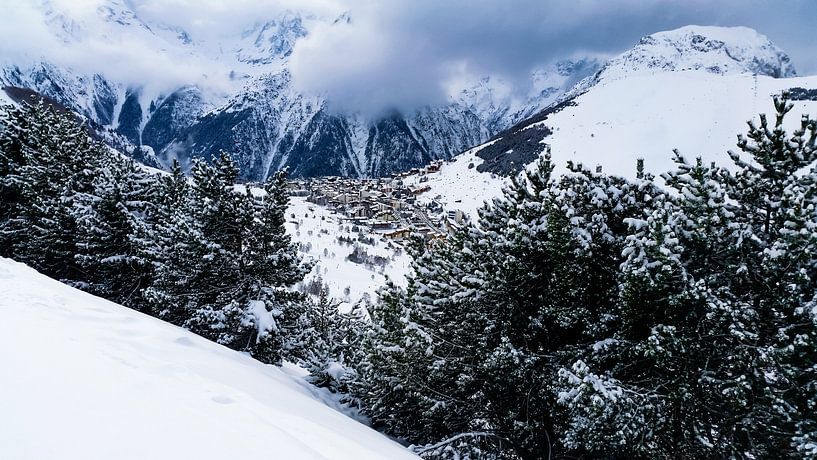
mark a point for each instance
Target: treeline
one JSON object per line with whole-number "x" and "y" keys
{"x": 196, "y": 252}
{"x": 591, "y": 316}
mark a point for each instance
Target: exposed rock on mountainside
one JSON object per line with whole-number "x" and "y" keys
{"x": 263, "y": 119}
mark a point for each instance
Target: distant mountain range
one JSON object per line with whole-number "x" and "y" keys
{"x": 268, "y": 124}
{"x": 265, "y": 121}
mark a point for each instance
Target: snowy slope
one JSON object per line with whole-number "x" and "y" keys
{"x": 677, "y": 89}
{"x": 647, "y": 116}
{"x": 644, "y": 116}
{"x": 458, "y": 184}
{"x": 317, "y": 230}
{"x": 84, "y": 378}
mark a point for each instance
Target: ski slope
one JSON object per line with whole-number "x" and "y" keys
{"x": 84, "y": 378}
{"x": 648, "y": 115}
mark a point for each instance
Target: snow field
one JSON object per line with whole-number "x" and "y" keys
{"x": 84, "y": 378}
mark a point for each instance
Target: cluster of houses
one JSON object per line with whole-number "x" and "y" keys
{"x": 385, "y": 205}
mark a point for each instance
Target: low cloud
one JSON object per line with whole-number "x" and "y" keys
{"x": 79, "y": 35}
{"x": 399, "y": 54}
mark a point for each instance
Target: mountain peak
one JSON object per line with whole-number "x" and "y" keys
{"x": 271, "y": 40}
{"x": 719, "y": 50}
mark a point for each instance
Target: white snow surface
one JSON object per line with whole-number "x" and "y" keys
{"x": 458, "y": 184}
{"x": 646, "y": 116}
{"x": 84, "y": 378}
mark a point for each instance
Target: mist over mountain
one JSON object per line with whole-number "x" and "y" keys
{"x": 324, "y": 88}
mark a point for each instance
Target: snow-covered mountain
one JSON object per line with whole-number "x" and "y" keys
{"x": 248, "y": 104}
{"x": 719, "y": 50}
{"x": 692, "y": 88}
{"x": 84, "y": 378}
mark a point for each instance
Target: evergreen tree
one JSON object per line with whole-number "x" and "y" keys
{"x": 48, "y": 160}
{"x": 594, "y": 316}
{"x": 336, "y": 344}
{"x": 115, "y": 234}
{"x": 715, "y": 346}
{"x": 200, "y": 254}
{"x": 775, "y": 241}
{"x": 227, "y": 262}
{"x": 174, "y": 231}
{"x": 270, "y": 265}
{"x": 472, "y": 348}
{"x": 395, "y": 367}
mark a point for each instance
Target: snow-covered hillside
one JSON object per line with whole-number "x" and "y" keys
{"x": 647, "y": 116}
{"x": 84, "y": 378}
{"x": 458, "y": 184}
{"x": 640, "y": 106}
{"x": 327, "y": 240}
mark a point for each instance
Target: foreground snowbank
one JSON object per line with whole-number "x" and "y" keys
{"x": 85, "y": 378}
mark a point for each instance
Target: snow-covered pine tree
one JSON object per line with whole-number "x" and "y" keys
{"x": 48, "y": 159}
{"x": 470, "y": 351}
{"x": 220, "y": 214}
{"x": 396, "y": 365}
{"x": 174, "y": 229}
{"x": 115, "y": 236}
{"x": 21, "y": 170}
{"x": 270, "y": 266}
{"x": 336, "y": 345}
{"x": 226, "y": 263}
{"x": 714, "y": 354}
{"x": 197, "y": 285}
{"x": 632, "y": 395}
{"x": 775, "y": 240}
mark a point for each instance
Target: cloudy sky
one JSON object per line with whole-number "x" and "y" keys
{"x": 403, "y": 52}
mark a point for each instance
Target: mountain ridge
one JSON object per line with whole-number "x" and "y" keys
{"x": 268, "y": 124}
{"x": 623, "y": 113}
